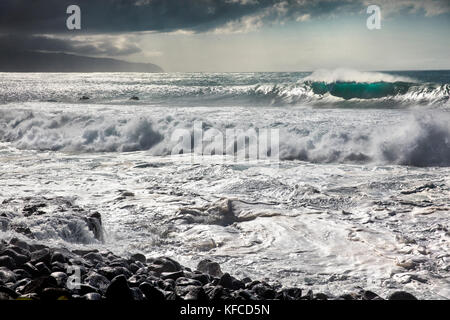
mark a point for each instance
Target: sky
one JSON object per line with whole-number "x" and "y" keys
{"x": 237, "y": 35}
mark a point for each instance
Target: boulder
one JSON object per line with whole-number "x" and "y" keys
{"x": 210, "y": 267}
{"x": 119, "y": 290}
{"x": 151, "y": 293}
{"x": 7, "y": 262}
{"x": 401, "y": 295}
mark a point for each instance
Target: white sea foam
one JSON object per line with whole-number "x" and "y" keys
{"x": 368, "y": 205}
{"x": 349, "y": 75}
{"x": 421, "y": 139}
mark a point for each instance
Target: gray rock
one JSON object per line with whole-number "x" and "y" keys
{"x": 39, "y": 284}
{"x": 7, "y": 262}
{"x": 93, "y": 257}
{"x": 98, "y": 281}
{"x": 172, "y": 275}
{"x": 119, "y": 290}
{"x": 60, "y": 277}
{"x": 42, "y": 255}
{"x": 210, "y": 267}
{"x": 55, "y": 294}
{"x": 164, "y": 264}
{"x": 18, "y": 258}
{"x": 264, "y": 291}
{"x": 401, "y": 295}
{"x": 137, "y": 294}
{"x": 7, "y": 275}
{"x": 42, "y": 268}
{"x": 22, "y": 274}
{"x": 151, "y": 293}
{"x": 93, "y": 296}
{"x": 138, "y": 257}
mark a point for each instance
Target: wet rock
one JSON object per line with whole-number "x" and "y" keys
{"x": 81, "y": 253}
{"x": 137, "y": 294}
{"x": 167, "y": 285}
{"x": 164, "y": 264}
{"x": 58, "y": 266}
{"x": 347, "y": 297}
{"x": 138, "y": 257}
{"x": 39, "y": 284}
{"x": 136, "y": 280}
{"x": 134, "y": 267}
{"x": 7, "y": 262}
{"x": 134, "y": 98}
{"x": 320, "y": 296}
{"x": 151, "y": 293}
{"x": 55, "y": 294}
{"x": 42, "y": 255}
{"x": 21, "y": 274}
{"x": 84, "y": 98}
{"x": 18, "y": 258}
{"x": 210, "y": 267}
{"x": 112, "y": 272}
{"x": 246, "y": 280}
{"x": 7, "y": 275}
{"x": 120, "y": 263}
{"x": 94, "y": 222}
{"x": 58, "y": 257}
{"x": 5, "y": 296}
{"x": 37, "y": 247}
{"x": 23, "y": 230}
{"x": 119, "y": 290}
{"x": 203, "y": 278}
{"x": 93, "y": 296}
{"x": 93, "y": 257}
{"x": 168, "y": 295}
{"x": 290, "y": 294}
{"x": 264, "y": 291}
{"x": 180, "y": 282}
{"x": 308, "y": 296}
{"x": 32, "y": 270}
{"x": 9, "y": 292}
{"x": 172, "y": 275}
{"x": 98, "y": 281}
{"x": 194, "y": 293}
{"x": 215, "y": 293}
{"x": 60, "y": 277}
{"x": 42, "y": 268}
{"x": 31, "y": 209}
{"x": 242, "y": 294}
{"x": 229, "y": 282}
{"x": 85, "y": 289}
{"x": 401, "y": 295}
{"x": 369, "y": 295}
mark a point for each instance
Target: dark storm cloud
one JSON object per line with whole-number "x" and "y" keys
{"x": 106, "y": 16}
{"x": 109, "y": 46}
{"x": 24, "y": 22}
{"x": 100, "y": 16}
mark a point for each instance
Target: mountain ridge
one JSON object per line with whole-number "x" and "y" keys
{"x": 34, "y": 61}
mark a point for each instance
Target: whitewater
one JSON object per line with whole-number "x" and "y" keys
{"x": 357, "y": 195}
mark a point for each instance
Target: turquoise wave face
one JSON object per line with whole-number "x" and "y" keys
{"x": 358, "y": 90}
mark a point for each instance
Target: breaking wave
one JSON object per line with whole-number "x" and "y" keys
{"x": 330, "y": 88}
{"x": 423, "y": 140}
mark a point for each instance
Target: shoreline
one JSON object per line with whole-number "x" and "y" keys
{"x": 38, "y": 272}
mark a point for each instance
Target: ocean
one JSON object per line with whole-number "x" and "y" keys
{"x": 351, "y": 189}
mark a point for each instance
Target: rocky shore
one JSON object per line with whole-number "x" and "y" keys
{"x": 30, "y": 271}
